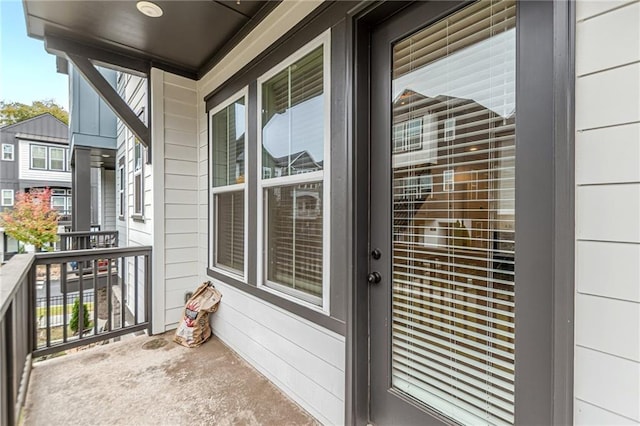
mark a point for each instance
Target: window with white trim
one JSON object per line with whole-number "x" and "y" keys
{"x": 61, "y": 200}
{"x": 121, "y": 188}
{"x": 38, "y": 157}
{"x": 293, "y": 132}
{"x": 228, "y": 195}
{"x": 7, "y": 197}
{"x": 56, "y": 159}
{"x": 7, "y": 152}
{"x": 138, "y": 178}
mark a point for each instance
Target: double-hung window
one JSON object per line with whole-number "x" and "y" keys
{"x": 38, "y": 157}
{"x": 293, "y": 192}
{"x": 228, "y": 176}
{"x": 121, "y": 186}
{"x": 59, "y": 200}
{"x": 7, "y": 152}
{"x": 56, "y": 159}
{"x": 138, "y": 178}
{"x": 7, "y": 197}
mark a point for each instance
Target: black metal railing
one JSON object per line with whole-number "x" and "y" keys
{"x": 118, "y": 281}
{"x": 15, "y": 344}
{"x": 85, "y": 240}
{"x": 39, "y": 314}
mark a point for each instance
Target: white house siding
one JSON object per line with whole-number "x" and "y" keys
{"x": 174, "y": 134}
{"x": 108, "y": 185}
{"x": 304, "y": 360}
{"x": 27, "y": 173}
{"x": 607, "y": 305}
{"x": 133, "y": 89}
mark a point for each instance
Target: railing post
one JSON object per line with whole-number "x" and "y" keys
{"x": 147, "y": 292}
{"x": 8, "y": 392}
{"x": 33, "y": 328}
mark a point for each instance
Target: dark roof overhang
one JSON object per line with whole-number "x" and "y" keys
{"x": 188, "y": 39}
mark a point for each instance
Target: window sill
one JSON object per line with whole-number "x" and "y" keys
{"x": 138, "y": 218}
{"x": 319, "y": 318}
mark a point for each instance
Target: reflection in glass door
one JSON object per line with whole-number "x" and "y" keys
{"x": 453, "y": 151}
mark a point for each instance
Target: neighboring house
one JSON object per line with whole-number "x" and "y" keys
{"x": 35, "y": 155}
{"x": 92, "y": 138}
{"x": 417, "y": 213}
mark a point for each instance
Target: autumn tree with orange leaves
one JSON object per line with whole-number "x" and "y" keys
{"x": 32, "y": 220}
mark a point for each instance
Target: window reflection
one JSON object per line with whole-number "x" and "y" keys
{"x": 453, "y": 151}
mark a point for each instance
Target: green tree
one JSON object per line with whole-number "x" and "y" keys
{"x": 75, "y": 316}
{"x": 15, "y": 112}
{"x": 32, "y": 220}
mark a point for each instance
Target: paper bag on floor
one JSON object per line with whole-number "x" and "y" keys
{"x": 194, "y": 328}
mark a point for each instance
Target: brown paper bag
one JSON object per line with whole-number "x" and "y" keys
{"x": 194, "y": 328}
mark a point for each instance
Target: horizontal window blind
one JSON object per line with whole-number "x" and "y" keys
{"x": 228, "y": 134}
{"x": 230, "y": 231}
{"x": 294, "y": 239}
{"x": 453, "y": 156}
{"x": 294, "y": 130}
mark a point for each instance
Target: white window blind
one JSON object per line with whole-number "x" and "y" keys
{"x": 453, "y": 215}
{"x": 228, "y": 143}
{"x": 294, "y": 99}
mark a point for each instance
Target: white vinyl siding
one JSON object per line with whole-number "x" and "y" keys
{"x": 175, "y": 200}
{"x": 607, "y": 304}
{"x": 26, "y": 172}
{"x": 303, "y": 360}
{"x": 133, "y": 90}
{"x": 108, "y": 200}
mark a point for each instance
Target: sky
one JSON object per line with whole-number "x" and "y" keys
{"x": 27, "y": 71}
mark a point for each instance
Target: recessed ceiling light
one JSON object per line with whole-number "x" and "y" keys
{"x": 150, "y": 9}
{"x": 105, "y": 155}
{"x": 473, "y": 148}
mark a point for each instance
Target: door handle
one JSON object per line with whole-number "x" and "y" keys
{"x": 374, "y": 277}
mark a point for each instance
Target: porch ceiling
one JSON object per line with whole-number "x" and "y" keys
{"x": 188, "y": 39}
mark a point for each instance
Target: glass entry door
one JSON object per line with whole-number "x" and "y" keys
{"x": 442, "y": 215}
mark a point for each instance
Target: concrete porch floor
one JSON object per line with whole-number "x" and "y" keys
{"x": 153, "y": 381}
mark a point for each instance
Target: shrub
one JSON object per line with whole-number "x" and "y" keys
{"x": 75, "y": 314}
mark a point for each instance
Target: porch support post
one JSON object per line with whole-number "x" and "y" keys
{"x": 81, "y": 182}
{"x": 111, "y": 97}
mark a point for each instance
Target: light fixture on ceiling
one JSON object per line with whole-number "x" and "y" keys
{"x": 473, "y": 148}
{"x": 105, "y": 155}
{"x": 150, "y": 9}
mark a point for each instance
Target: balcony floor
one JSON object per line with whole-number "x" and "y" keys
{"x": 151, "y": 380}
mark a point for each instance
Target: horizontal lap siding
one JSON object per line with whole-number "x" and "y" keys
{"x": 607, "y": 308}
{"x": 180, "y": 170}
{"x": 304, "y": 360}
{"x": 133, "y": 90}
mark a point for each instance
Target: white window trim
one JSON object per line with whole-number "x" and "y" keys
{"x": 7, "y": 191}
{"x": 140, "y": 172}
{"x": 46, "y": 156}
{"x": 323, "y": 176}
{"x": 450, "y": 129}
{"x": 12, "y": 153}
{"x": 122, "y": 193}
{"x": 50, "y": 158}
{"x": 243, "y": 93}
